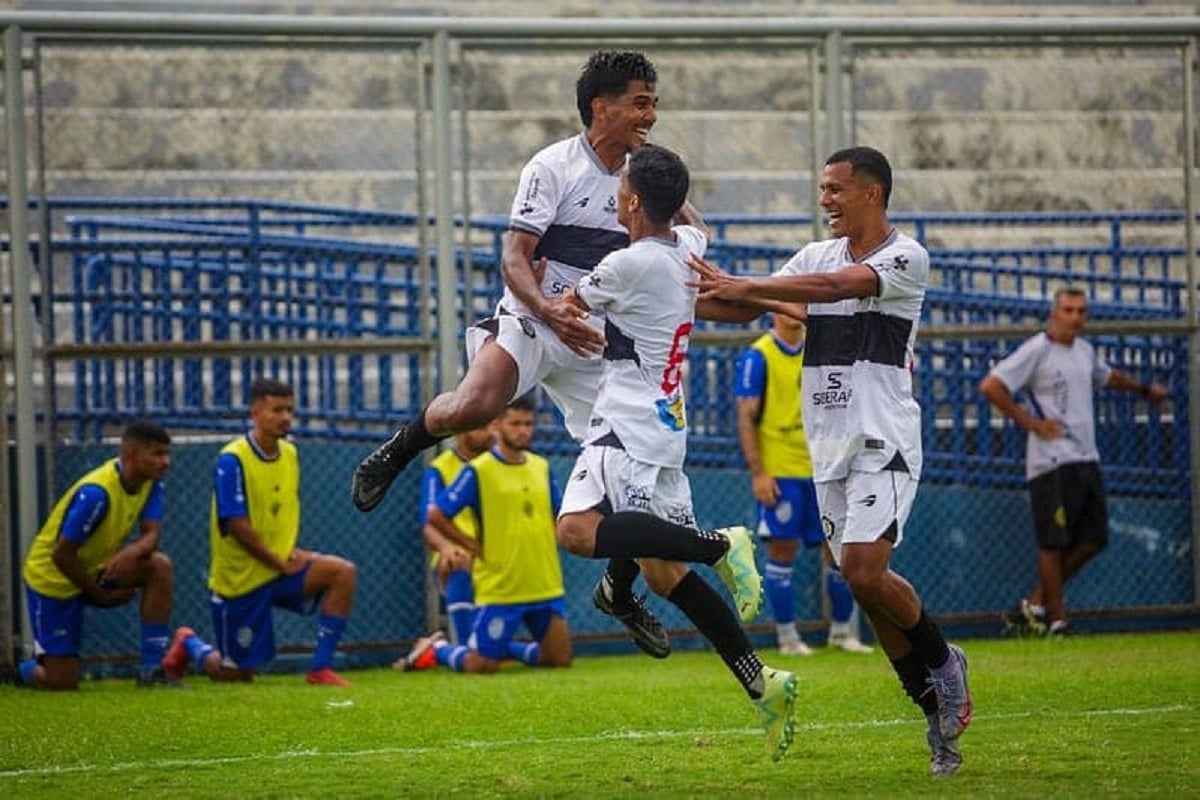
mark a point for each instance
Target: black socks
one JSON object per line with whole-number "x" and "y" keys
{"x": 929, "y": 646}
{"x": 622, "y": 572}
{"x": 914, "y": 677}
{"x": 711, "y": 615}
{"x": 417, "y": 437}
{"x": 636, "y": 534}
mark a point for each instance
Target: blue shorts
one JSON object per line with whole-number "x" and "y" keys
{"x": 57, "y": 624}
{"x": 795, "y": 515}
{"x": 245, "y": 629}
{"x": 496, "y": 625}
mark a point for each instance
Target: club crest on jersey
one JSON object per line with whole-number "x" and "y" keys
{"x": 671, "y": 412}
{"x": 611, "y": 205}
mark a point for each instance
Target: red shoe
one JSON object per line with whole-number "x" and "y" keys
{"x": 424, "y": 653}
{"x": 175, "y": 661}
{"x": 326, "y": 677}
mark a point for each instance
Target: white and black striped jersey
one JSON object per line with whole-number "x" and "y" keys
{"x": 568, "y": 198}
{"x": 649, "y": 310}
{"x": 859, "y": 409}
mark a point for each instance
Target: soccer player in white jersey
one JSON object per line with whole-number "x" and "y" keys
{"x": 865, "y": 288}
{"x": 1059, "y": 370}
{"x": 628, "y": 496}
{"x": 563, "y": 221}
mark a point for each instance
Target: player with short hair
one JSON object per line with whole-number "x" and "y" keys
{"x": 864, "y": 290}
{"x": 1059, "y": 370}
{"x": 79, "y": 558}
{"x": 562, "y": 223}
{"x": 771, "y": 435}
{"x": 255, "y": 564}
{"x": 628, "y": 496}
{"x": 516, "y": 569}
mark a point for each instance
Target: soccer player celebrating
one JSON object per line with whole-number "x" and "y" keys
{"x": 864, "y": 291}
{"x": 628, "y": 496}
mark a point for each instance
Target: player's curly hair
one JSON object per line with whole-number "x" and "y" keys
{"x": 607, "y": 74}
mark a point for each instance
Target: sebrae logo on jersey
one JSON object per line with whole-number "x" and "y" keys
{"x": 671, "y": 412}
{"x": 834, "y": 395}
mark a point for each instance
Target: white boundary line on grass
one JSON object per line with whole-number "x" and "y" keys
{"x": 175, "y": 763}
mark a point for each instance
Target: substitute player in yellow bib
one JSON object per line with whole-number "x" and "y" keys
{"x": 452, "y": 570}
{"x": 79, "y": 558}
{"x": 255, "y": 564}
{"x": 516, "y": 569}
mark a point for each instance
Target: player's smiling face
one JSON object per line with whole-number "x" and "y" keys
{"x": 845, "y": 198}
{"x": 629, "y": 117}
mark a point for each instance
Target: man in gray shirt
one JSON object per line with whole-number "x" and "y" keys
{"x": 1060, "y": 371}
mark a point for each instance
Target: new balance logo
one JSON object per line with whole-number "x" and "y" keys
{"x": 869, "y": 500}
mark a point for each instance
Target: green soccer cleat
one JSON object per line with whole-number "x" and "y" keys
{"x": 777, "y": 707}
{"x": 739, "y": 573}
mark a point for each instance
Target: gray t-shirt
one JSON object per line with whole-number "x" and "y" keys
{"x": 1060, "y": 381}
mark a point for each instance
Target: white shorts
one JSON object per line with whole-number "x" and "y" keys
{"x": 571, "y": 380}
{"x": 864, "y": 507}
{"x": 609, "y": 473}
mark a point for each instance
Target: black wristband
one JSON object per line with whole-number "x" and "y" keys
{"x": 1144, "y": 390}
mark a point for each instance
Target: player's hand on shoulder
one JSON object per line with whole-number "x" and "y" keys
{"x": 713, "y": 282}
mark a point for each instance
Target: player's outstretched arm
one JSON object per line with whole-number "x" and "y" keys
{"x": 856, "y": 280}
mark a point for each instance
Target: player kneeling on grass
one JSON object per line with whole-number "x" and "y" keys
{"x": 255, "y": 564}
{"x": 77, "y": 560}
{"x": 513, "y": 558}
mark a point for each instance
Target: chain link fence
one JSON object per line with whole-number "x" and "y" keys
{"x": 209, "y": 209}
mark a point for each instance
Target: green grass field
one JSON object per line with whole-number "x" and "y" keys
{"x": 1097, "y": 715}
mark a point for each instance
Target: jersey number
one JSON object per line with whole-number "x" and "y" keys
{"x": 673, "y": 374}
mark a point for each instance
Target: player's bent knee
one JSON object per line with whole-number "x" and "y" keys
{"x": 575, "y": 536}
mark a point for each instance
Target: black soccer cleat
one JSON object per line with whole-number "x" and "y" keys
{"x": 375, "y": 474}
{"x": 644, "y": 628}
